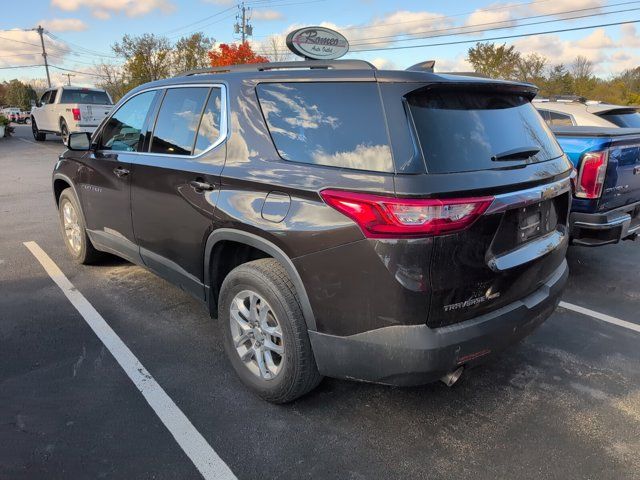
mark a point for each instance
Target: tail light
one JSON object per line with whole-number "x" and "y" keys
{"x": 390, "y": 217}
{"x": 591, "y": 173}
{"x": 76, "y": 114}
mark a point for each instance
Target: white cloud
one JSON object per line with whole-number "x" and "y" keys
{"x": 382, "y": 63}
{"x": 20, "y": 47}
{"x": 64, "y": 25}
{"x": 607, "y": 56}
{"x": 131, "y": 8}
{"x": 266, "y": 15}
{"x": 495, "y": 15}
{"x": 101, "y": 14}
{"x": 559, "y": 6}
{"x": 596, "y": 40}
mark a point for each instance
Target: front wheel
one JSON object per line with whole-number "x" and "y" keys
{"x": 264, "y": 332}
{"x": 38, "y": 136}
{"x": 74, "y": 229}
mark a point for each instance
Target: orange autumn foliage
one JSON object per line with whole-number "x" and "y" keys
{"x": 234, "y": 55}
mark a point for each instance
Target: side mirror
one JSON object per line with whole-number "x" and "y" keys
{"x": 80, "y": 141}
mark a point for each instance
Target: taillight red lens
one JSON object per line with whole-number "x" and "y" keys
{"x": 76, "y": 114}
{"x": 591, "y": 174}
{"x": 390, "y": 217}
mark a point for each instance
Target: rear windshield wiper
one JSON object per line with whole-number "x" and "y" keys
{"x": 521, "y": 153}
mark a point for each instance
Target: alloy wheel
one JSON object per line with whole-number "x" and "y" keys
{"x": 72, "y": 229}
{"x": 256, "y": 334}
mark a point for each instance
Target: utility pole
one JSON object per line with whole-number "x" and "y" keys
{"x": 244, "y": 28}
{"x": 68, "y": 75}
{"x": 40, "y": 31}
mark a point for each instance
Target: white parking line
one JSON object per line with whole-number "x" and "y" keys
{"x": 206, "y": 460}
{"x": 601, "y": 316}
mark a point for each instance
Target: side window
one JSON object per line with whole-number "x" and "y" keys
{"x": 122, "y": 131}
{"x": 334, "y": 124}
{"x": 178, "y": 119}
{"x": 209, "y": 131}
{"x": 545, "y": 116}
{"x": 45, "y": 97}
{"x": 52, "y": 97}
{"x": 559, "y": 119}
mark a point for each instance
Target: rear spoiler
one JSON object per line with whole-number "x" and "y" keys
{"x": 595, "y": 131}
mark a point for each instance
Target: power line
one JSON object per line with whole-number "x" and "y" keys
{"x": 540, "y": 22}
{"x": 503, "y": 37}
{"x": 19, "y": 66}
{"x": 448, "y": 29}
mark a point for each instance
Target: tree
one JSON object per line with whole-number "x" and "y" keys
{"x": 531, "y": 68}
{"x": 147, "y": 58}
{"x": 559, "y": 81}
{"x": 112, "y": 79}
{"x": 191, "y": 52}
{"x": 18, "y": 94}
{"x": 234, "y": 55}
{"x": 276, "y": 49}
{"x": 494, "y": 61}
{"x": 583, "y": 80}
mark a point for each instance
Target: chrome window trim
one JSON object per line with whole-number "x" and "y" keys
{"x": 521, "y": 198}
{"x": 224, "y": 131}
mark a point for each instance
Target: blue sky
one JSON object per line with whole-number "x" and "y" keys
{"x": 84, "y": 30}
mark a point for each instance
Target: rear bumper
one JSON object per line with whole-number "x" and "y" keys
{"x": 595, "y": 229}
{"x": 417, "y": 354}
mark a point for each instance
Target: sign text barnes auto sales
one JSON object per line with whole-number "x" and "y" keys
{"x": 317, "y": 43}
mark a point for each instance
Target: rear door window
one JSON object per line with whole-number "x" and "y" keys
{"x": 178, "y": 120}
{"x": 209, "y": 131}
{"x": 334, "y": 124}
{"x": 85, "y": 96}
{"x": 461, "y": 130}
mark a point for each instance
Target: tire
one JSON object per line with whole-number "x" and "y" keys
{"x": 38, "y": 136}
{"x": 78, "y": 243}
{"x": 64, "y": 131}
{"x": 297, "y": 373}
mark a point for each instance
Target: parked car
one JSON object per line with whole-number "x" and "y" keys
{"x": 24, "y": 117}
{"x": 12, "y": 113}
{"x": 606, "y": 204}
{"x": 386, "y": 226}
{"x": 577, "y": 111}
{"x": 69, "y": 109}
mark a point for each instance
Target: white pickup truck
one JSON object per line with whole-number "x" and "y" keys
{"x": 68, "y": 109}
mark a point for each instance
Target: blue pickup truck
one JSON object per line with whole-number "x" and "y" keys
{"x": 606, "y": 199}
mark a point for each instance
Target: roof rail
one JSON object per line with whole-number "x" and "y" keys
{"x": 298, "y": 65}
{"x": 567, "y": 98}
{"x": 426, "y": 66}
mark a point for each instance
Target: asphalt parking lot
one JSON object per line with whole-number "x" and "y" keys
{"x": 565, "y": 403}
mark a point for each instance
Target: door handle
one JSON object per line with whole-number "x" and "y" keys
{"x": 120, "y": 172}
{"x": 200, "y": 186}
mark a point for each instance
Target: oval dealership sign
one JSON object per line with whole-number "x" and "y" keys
{"x": 318, "y": 43}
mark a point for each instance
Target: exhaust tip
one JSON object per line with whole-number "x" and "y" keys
{"x": 452, "y": 377}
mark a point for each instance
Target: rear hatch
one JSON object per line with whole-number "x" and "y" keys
{"x": 487, "y": 140}
{"x": 89, "y": 107}
{"x": 621, "y": 148}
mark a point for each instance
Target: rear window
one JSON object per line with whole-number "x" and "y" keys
{"x": 461, "y": 131}
{"x": 334, "y": 124}
{"x": 626, "y": 119}
{"x": 87, "y": 97}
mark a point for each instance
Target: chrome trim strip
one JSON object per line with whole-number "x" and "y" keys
{"x": 522, "y": 198}
{"x": 529, "y": 251}
{"x": 224, "y": 131}
{"x": 597, "y": 226}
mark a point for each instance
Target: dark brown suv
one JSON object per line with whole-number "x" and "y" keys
{"x": 386, "y": 226}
